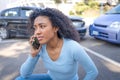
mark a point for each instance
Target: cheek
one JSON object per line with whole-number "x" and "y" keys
{"x": 49, "y": 34}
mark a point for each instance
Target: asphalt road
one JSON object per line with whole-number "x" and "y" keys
{"x": 106, "y": 56}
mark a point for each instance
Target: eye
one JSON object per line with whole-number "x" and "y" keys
{"x": 34, "y": 27}
{"x": 42, "y": 26}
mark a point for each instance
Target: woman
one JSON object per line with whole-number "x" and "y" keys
{"x": 59, "y": 48}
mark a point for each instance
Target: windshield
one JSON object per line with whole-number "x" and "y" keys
{"x": 115, "y": 10}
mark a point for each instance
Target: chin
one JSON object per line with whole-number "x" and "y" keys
{"x": 42, "y": 42}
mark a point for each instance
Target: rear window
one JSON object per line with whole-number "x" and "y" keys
{"x": 26, "y": 12}
{"x": 10, "y": 13}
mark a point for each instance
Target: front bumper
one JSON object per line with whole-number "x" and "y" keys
{"x": 82, "y": 32}
{"x": 108, "y": 34}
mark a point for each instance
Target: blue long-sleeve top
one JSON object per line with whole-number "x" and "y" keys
{"x": 66, "y": 66}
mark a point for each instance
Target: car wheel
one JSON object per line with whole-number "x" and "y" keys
{"x": 3, "y": 33}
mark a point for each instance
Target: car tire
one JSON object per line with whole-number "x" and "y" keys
{"x": 3, "y": 33}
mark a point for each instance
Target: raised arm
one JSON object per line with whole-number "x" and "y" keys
{"x": 28, "y": 66}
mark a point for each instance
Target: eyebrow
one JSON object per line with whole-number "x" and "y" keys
{"x": 39, "y": 24}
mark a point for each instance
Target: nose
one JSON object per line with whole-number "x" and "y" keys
{"x": 37, "y": 31}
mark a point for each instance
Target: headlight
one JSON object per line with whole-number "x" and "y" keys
{"x": 115, "y": 25}
{"x": 78, "y": 24}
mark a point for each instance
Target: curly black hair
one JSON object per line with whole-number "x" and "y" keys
{"x": 58, "y": 19}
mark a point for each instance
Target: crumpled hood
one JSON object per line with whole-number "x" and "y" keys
{"x": 107, "y": 19}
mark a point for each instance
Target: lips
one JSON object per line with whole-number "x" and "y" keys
{"x": 40, "y": 38}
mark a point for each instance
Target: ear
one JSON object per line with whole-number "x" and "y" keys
{"x": 56, "y": 29}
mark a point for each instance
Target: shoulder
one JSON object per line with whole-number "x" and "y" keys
{"x": 73, "y": 46}
{"x": 71, "y": 43}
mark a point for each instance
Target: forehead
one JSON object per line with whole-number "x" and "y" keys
{"x": 41, "y": 19}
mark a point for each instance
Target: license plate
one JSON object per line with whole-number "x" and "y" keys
{"x": 95, "y": 33}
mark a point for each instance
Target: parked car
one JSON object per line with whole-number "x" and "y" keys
{"x": 79, "y": 25}
{"x": 107, "y": 26}
{"x": 13, "y": 22}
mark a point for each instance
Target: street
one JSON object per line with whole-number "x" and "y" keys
{"x": 105, "y": 55}
{"x": 101, "y": 18}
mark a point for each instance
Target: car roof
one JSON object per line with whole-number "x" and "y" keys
{"x": 73, "y": 17}
{"x": 21, "y": 7}
{"x": 26, "y": 7}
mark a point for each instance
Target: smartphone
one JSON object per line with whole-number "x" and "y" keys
{"x": 36, "y": 43}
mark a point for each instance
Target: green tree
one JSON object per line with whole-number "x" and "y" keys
{"x": 58, "y": 2}
{"x": 88, "y": 1}
{"x": 86, "y": 8}
{"x": 118, "y": 1}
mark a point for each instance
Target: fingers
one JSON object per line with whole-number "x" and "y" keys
{"x": 31, "y": 39}
{"x": 34, "y": 51}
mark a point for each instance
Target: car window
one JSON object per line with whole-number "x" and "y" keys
{"x": 115, "y": 10}
{"x": 10, "y": 13}
{"x": 26, "y": 12}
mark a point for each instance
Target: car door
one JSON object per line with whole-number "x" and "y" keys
{"x": 11, "y": 18}
{"x": 24, "y": 14}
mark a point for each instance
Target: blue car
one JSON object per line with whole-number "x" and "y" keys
{"x": 107, "y": 26}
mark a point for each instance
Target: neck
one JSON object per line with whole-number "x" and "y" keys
{"x": 54, "y": 43}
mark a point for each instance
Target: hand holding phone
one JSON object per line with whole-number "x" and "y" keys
{"x": 36, "y": 43}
